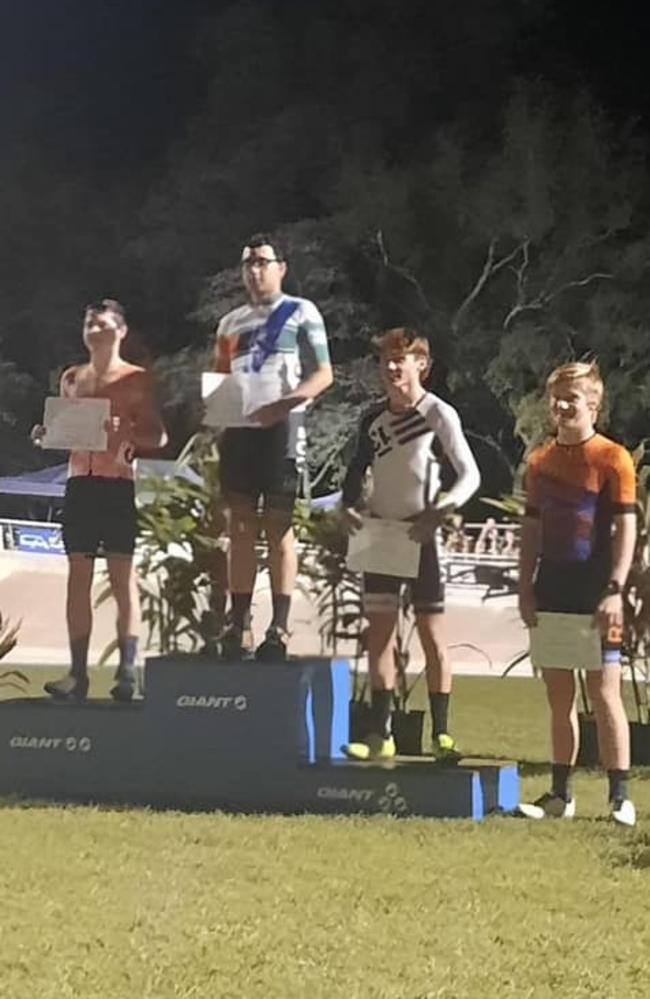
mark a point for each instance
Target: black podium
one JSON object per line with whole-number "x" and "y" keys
{"x": 253, "y": 737}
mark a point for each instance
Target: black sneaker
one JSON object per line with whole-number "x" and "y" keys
{"x": 233, "y": 644}
{"x": 127, "y": 680}
{"x": 68, "y": 688}
{"x": 274, "y": 647}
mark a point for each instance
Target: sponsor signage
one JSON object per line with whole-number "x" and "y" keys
{"x": 32, "y": 537}
{"x": 218, "y": 702}
{"x": 66, "y": 743}
{"x": 388, "y": 799}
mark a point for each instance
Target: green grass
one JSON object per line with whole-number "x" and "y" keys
{"x": 126, "y": 903}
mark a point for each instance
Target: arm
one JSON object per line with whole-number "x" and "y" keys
{"x": 529, "y": 552}
{"x": 622, "y": 484}
{"x": 223, "y": 349}
{"x": 445, "y": 422}
{"x": 623, "y": 544}
{"x": 530, "y": 545}
{"x": 353, "y": 482}
{"x": 148, "y": 432}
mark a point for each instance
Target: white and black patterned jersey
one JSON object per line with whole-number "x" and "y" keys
{"x": 398, "y": 448}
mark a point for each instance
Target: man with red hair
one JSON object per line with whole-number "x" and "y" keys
{"x": 395, "y": 442}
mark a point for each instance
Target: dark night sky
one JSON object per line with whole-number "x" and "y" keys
{"x": 111, "y": 82}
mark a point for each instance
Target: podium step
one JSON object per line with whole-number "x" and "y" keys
{"x": 246, "y": 737}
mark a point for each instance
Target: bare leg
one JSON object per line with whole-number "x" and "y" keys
{"x": 381, "y": 667}
{"x": 431, "y": 629}
{"x": 79, "y": 610}
{"x": 74, "y": 686}
{"x": 381, "y": 643}
{"x": 124, "y": 584}
{"x": 561, "y": 695}
{"x": 243, "y": 526}
{"x": 283, "y": 563}
{"x": 604, "y": 687}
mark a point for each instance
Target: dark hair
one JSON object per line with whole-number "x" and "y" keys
{"x": 265, "y": 239}
{"x": 108, "y": 305}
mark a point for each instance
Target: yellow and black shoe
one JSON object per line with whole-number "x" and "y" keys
{"x": 374, "y": 747}
{"x": 445, "y": 749}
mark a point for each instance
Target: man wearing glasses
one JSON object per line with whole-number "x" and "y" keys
{"x": 99, "y": 516}
{"x": 281, "y": 343}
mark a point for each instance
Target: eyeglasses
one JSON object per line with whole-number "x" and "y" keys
{"x": 261, "y": 262}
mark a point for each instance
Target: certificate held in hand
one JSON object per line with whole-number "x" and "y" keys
{"x": 384, "y": 547}
{"x": 76, "y": 424}
{"x": 565, "y": 641}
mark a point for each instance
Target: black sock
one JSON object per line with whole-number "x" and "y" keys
{"x": 561, "y": 780}
{"x": 439, "y": 712}
{"x": 281, "y": 608}
{"x": 79, "y": 655}
{"x": 617, "y": 784}
{"x": 381, "y": 702}
{"x": 240, "y": 610}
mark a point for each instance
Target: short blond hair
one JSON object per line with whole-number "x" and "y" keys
{"x": 579, "y": 371}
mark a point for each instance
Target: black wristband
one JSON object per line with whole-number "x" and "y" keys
{"x": 613, "y": 588}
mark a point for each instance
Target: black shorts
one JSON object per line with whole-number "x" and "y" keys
{"x": 254, "y": 463}
{"x": 426, "y": 592}
{"x": 577, "y": 588}
{"x": 99, "y": 516}
{"x": 570, "y": 587}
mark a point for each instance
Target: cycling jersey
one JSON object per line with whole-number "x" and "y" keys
{"x": 398, "y": 448}
{"x": 576, "y": 490}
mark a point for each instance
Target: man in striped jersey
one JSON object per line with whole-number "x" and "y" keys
{"x": 395, "y": 442}
{"x": 280, "y": 341}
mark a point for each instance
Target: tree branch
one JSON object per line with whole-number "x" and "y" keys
{"x": 402, "y": 271}
{"x": 490, "y": 268}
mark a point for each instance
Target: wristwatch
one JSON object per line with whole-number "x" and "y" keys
{"x": 613, "y": 588}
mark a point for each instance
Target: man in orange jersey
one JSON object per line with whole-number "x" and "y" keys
{"x": 99, "y": 516}
{"x": 577, "y": 546}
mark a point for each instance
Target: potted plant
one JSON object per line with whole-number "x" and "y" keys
{"x": 12, "y": 678}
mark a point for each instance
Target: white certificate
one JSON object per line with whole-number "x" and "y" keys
{"x": 226, "y": 399}
{"x": 76, "y": 424}
{"x": 384, "y": 547}
{"x": 565, "y": 641}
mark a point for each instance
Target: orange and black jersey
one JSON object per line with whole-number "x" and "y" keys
{"x": 576, "y": 490}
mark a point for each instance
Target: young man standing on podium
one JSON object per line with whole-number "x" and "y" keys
{"x": 99, "y": 516}
{"x": 280, "y": 342}
{"x": 395, "y": 442}
{"x": 577, "y": 545}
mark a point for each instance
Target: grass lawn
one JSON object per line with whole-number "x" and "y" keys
{"x": 109, "y": 903}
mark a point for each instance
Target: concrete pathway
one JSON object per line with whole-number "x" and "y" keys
{"x": 483, "y": 636}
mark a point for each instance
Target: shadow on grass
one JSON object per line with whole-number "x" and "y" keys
{"x": 527, "y": 768}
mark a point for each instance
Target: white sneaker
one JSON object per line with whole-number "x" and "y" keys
{"x": 624, "y": 812}
{"x": 548, "y": 806}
